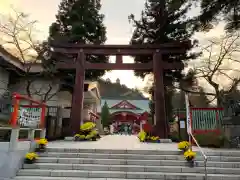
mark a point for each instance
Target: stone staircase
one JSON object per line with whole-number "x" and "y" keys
{"x": 100, "y": 164}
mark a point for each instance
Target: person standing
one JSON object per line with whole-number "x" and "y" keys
{"x": 111, "y": 129}
{"x": 121, "y": 129}
{"x": 126, "y": 129}
{"x": 130, "y": 129}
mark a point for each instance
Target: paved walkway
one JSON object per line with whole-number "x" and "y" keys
{"x": 115, "y": 142}
{"x": 123, "y": 142}
{"x": 108, "y": 142}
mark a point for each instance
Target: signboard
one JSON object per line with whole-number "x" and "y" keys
{"x": 189, "y": 127}
{"x": 182, "y": 124}
{"x": 29, "y": 117}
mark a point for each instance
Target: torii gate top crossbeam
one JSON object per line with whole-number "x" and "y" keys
{"x": 145, "y": 49}
{"x": 158, "y": 65}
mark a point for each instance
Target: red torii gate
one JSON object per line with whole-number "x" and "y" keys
{"x": 157, "y": 65}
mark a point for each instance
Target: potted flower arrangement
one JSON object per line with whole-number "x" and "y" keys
{"x": 143, "y": 136}
{"x": 155, "y": 139}
{"x": 42, "y": 143}
{"x": 183, "y": 146}
{"x": 78, "y": 137}
{"x": 92, "y": 135}
{"x": 189, "y": 155}
{"x": 88, "y": 132}
{"x": 30, "y": 158}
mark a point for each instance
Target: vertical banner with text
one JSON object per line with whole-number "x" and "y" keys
{"x": 189, "y": 125}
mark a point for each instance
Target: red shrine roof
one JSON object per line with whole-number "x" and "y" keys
{"x": 124, "y": 105}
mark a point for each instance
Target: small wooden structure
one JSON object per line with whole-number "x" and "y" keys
{"x": 158, "y": 65}
{"x": 203, "y": 120}
{"x": 33, "y": 104}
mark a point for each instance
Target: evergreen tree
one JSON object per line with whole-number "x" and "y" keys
{"x": 178, "y": 100}
{"x": 105, "y": 115}
{"x": 79, "y": 21}
{"x": 169, "y": 92}
{"x": 152, "y": 103}
{"x": 163, "y": 22}
{"x": 202, "y": 100}
{"x": 218, "y": 10}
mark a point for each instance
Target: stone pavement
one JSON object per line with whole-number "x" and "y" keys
{"x": 129, "y": 142}
{"x": 114, "y": 142}
{"x": 109, "y": 142}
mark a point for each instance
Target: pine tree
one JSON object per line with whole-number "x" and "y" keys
{"x": 105, "y": 115}
{"x": 151, "y": 102}
{"x": 178, "y": 100}
{"x": 164, "y": 21}
{"x": 203, "y": 100}
{"x": 79, "y": 21}
{"x": 213, "y": 12}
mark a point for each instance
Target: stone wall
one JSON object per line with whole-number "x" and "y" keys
{"x": 231, "y": 127}
{"x": 231, "y": 131}
{"x": 11, "y": 161}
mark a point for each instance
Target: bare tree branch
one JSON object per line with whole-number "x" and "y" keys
{"x": 218, "y": 65}
{"x": 17, "y": 34}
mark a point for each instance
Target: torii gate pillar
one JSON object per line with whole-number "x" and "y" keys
{"x": 78, "y": 96}
{"x": 161, "y": 126}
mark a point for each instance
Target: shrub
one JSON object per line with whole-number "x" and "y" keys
{"x": 174, "y": 136}
{"x": 211, "y": 140}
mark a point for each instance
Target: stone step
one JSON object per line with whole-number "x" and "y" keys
{"x": 131, "y": 168}
{"x": 135, "y": 162}
{"x": 63, "y": 178}
{"x": 122, "y": 175}
{"x": 221, "y": 152}
{"x": 108, "y": 156}
{"x": 134, "y": 156}
{"x": 114, "y": 151}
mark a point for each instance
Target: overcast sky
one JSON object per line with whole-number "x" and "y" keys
{"x": 116, "y": 20}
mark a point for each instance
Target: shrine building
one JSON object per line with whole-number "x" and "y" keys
{"x": 130, "y": 112}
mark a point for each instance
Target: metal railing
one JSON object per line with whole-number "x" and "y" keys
{"x": 202, "y": 153}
